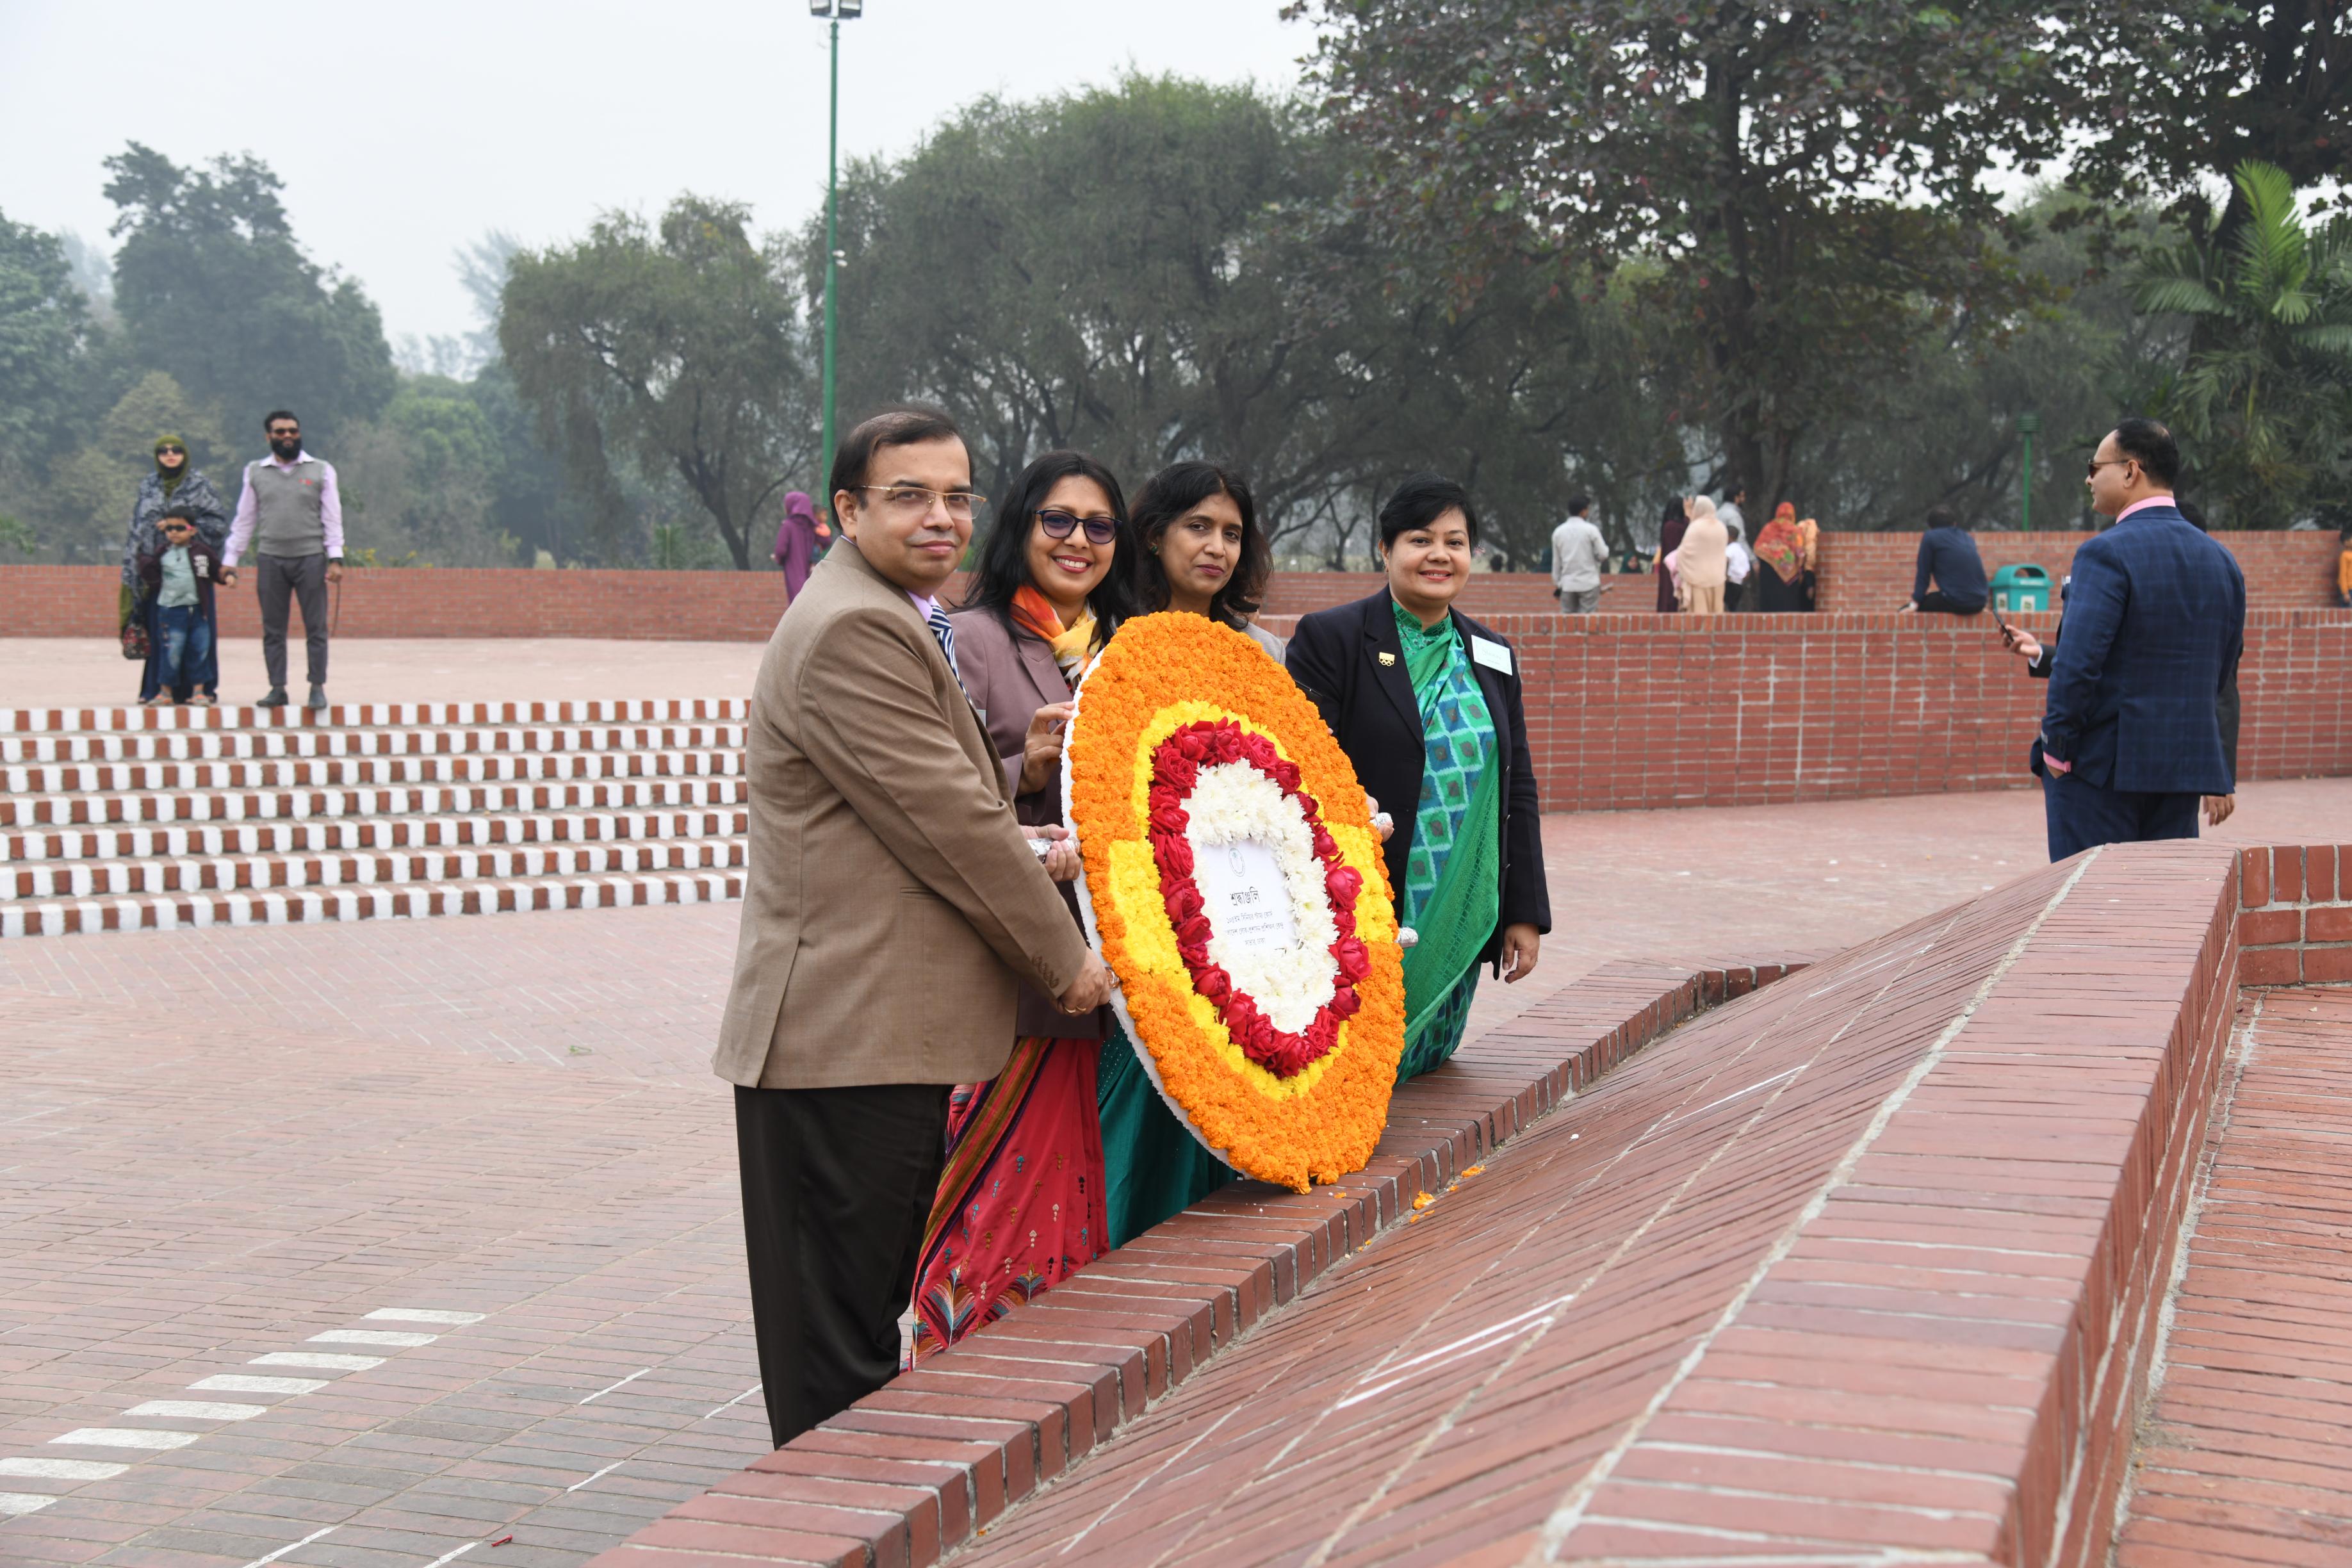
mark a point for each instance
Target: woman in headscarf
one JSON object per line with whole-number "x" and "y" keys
{"x": 1779, "y": 586}
{"x": 1670, "y": 539}
{"x": 174, "y": 481}
{"x": 1702, "y": 559}
{"x": 1426, "y": 704}
{"x": 797, "y": 538}
{"x": 1021, "y": 1199}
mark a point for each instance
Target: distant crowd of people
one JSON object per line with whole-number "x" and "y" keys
{"x": 1703, "y": 565}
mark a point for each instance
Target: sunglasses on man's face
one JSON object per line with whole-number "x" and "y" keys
{"x": 1060, "y": 524}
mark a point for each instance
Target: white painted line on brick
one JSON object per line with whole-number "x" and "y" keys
{"x": 737, "y": 1400}
{"x": 125, "y": 1438}
{"x": 317, "y": 1361}
{"x": 62, "y": 1469}
{"x": 449, "y": 1556}
{"x": 421, "y": 1315}
{"x": 290, "y": 1546}
{"x": 198, "y": 1410}
{"x": 13, "y": 1503}
{"x": 605, "y": 1472}
{"x": 238, "y": 1383}
{"x": 372, "y": 1337}
{"x": 631, "y": 1378}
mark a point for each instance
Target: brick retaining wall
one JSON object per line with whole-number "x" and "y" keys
{"x": 2295, "y": 926}
{"x": 1872, "y": 571}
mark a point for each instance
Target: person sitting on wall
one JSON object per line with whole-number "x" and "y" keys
{"x": 1948, "y": 556}
{"x": 2131, "y": 737}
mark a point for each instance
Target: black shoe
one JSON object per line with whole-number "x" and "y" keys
{"x": 318, "y": 703}
{"x": 277, "y": 698}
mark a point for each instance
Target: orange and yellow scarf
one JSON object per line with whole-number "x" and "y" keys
{"x": 1072, "y": 644}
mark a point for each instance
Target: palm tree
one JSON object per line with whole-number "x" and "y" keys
{"x": 2264, "y": 403}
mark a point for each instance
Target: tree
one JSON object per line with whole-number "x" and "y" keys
{"x": 45, "y": 331}
{"x": 2265, "y": 398}
{"x": 1755, "y": 161}
{"x": 677, "y": 347}
{"x": 211, "y": 287}
{"x": 2180, "y": 92}
{"x": 89, "y": 496}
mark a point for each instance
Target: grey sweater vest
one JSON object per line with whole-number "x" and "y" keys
{"x": 287, "y": 520}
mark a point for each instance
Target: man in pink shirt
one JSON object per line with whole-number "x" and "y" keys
{"x": 292, "y": 515}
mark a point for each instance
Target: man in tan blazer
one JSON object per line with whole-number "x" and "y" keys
{"x": 891, "y": 908}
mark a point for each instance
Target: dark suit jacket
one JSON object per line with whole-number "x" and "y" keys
{"x": 1335, "y": 657}
{"x": 2225, "y": 708}
{"x": 1010, "y": 675}
{"x": 2156, "y": 619}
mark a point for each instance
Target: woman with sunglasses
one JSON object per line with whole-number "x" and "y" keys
{"x": 1019, "y": 1202}
{"x": 174, "y": 483}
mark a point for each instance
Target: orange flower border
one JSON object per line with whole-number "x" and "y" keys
{"x": 1161, "y": 673}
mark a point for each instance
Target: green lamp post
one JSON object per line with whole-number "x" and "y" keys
{"x": 2027, "y": 426}
{"x": 834, "y": 13}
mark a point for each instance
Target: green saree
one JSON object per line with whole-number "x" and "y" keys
{"x": 1452, "y": 883}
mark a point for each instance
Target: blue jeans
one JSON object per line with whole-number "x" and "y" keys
{"x": 185, "y": 638}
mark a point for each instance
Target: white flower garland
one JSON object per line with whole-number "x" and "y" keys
{"x": 1232, "y": 803}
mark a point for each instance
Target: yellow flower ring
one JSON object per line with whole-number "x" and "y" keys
{"x": 1171, "y": 696}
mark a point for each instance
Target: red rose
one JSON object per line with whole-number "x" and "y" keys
{"x": 1286, "y": 775}
{"x": 1355, "y": 959}
{"x": 1191, "y": 744}
{"x": 1194, "y": 931}
{"x": 1325, "y": 846}
{"x": 1183, "y": 900}
{"x": 1344, "y": 1001}
{"x": 1343, "y": 883}
{"x": 1177, "y": 772}
{"x": 1173, "y": 852}
{"x": 1170, "y": 819}
{"x": 1214, "y": 983}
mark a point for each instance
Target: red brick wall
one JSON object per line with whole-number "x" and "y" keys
{"x": 1633, "y": 711}
{"x": 1872, "y": 571}
{"x": 2294, "y": 924}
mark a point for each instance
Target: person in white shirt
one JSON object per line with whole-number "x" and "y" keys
{"x": 1579, "y": 556}
{"x": 1735, "y": 495}
{"x": 1737, "y": 561}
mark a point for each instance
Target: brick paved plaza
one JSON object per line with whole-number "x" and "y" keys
{"x": 384, "y": 1240}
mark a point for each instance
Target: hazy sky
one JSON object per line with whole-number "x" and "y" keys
{"x": 405, "y": 130}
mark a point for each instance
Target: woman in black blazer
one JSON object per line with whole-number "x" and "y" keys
{"x": 1425, "y": 703}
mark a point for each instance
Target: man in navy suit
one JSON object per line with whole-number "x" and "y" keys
{"x": 2156, "y": 617}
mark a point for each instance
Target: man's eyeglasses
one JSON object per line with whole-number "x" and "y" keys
{"x": 2092, "y": 472}
{"x": 1059, "y": 524}
{"x": 910, "y": 501}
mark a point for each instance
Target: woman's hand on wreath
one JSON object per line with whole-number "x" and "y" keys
{"x": 1520, "y": 944}
{"x": 1041, "y": 748}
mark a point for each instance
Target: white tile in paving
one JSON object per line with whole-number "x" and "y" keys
{"x": 198, "y": 1410}
{"x": 371, "y": 1337}
{"x": 237, "y": 1383}
{"x": 422, "y": 1315}
{"x": 318, "y": 1360}
{"x": 62, "y": 1469}
{"x": 124, "y": 1437}
{"x": 12, "y": 1503}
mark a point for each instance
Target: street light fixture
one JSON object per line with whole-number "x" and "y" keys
{"x": 833, "y": 13}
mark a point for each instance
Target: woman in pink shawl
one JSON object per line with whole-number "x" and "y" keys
{"x": 797, "y": 538}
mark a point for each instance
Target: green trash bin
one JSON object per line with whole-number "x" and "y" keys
{"x": 2024, "y": 586}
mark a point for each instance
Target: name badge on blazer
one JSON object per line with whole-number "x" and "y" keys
{"x": 1493, "y": 654}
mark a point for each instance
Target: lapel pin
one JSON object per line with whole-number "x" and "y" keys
{"x": 1387, "y": 657}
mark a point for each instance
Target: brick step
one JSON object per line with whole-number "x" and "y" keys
{"x": 395, "y": 715}
{"x": 396, "y": 901}
{"x": 316, "y": 835}
{"x": 243, "y": 873}
{"x": 432, "y": 800}
{"x": 200, "y": 745}
{"x": 299, "y": 773}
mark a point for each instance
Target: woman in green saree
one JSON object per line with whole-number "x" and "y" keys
{"x": 1426, "y": 704}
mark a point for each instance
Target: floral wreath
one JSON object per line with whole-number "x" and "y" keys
{"x": 1267, "y": 1009}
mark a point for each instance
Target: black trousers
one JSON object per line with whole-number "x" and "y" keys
{"x": 2080, "y": 815}
{"x": 277, "y": 579}
{"x": 837, "y": 1186}
{"x": 1936, "y": 602}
